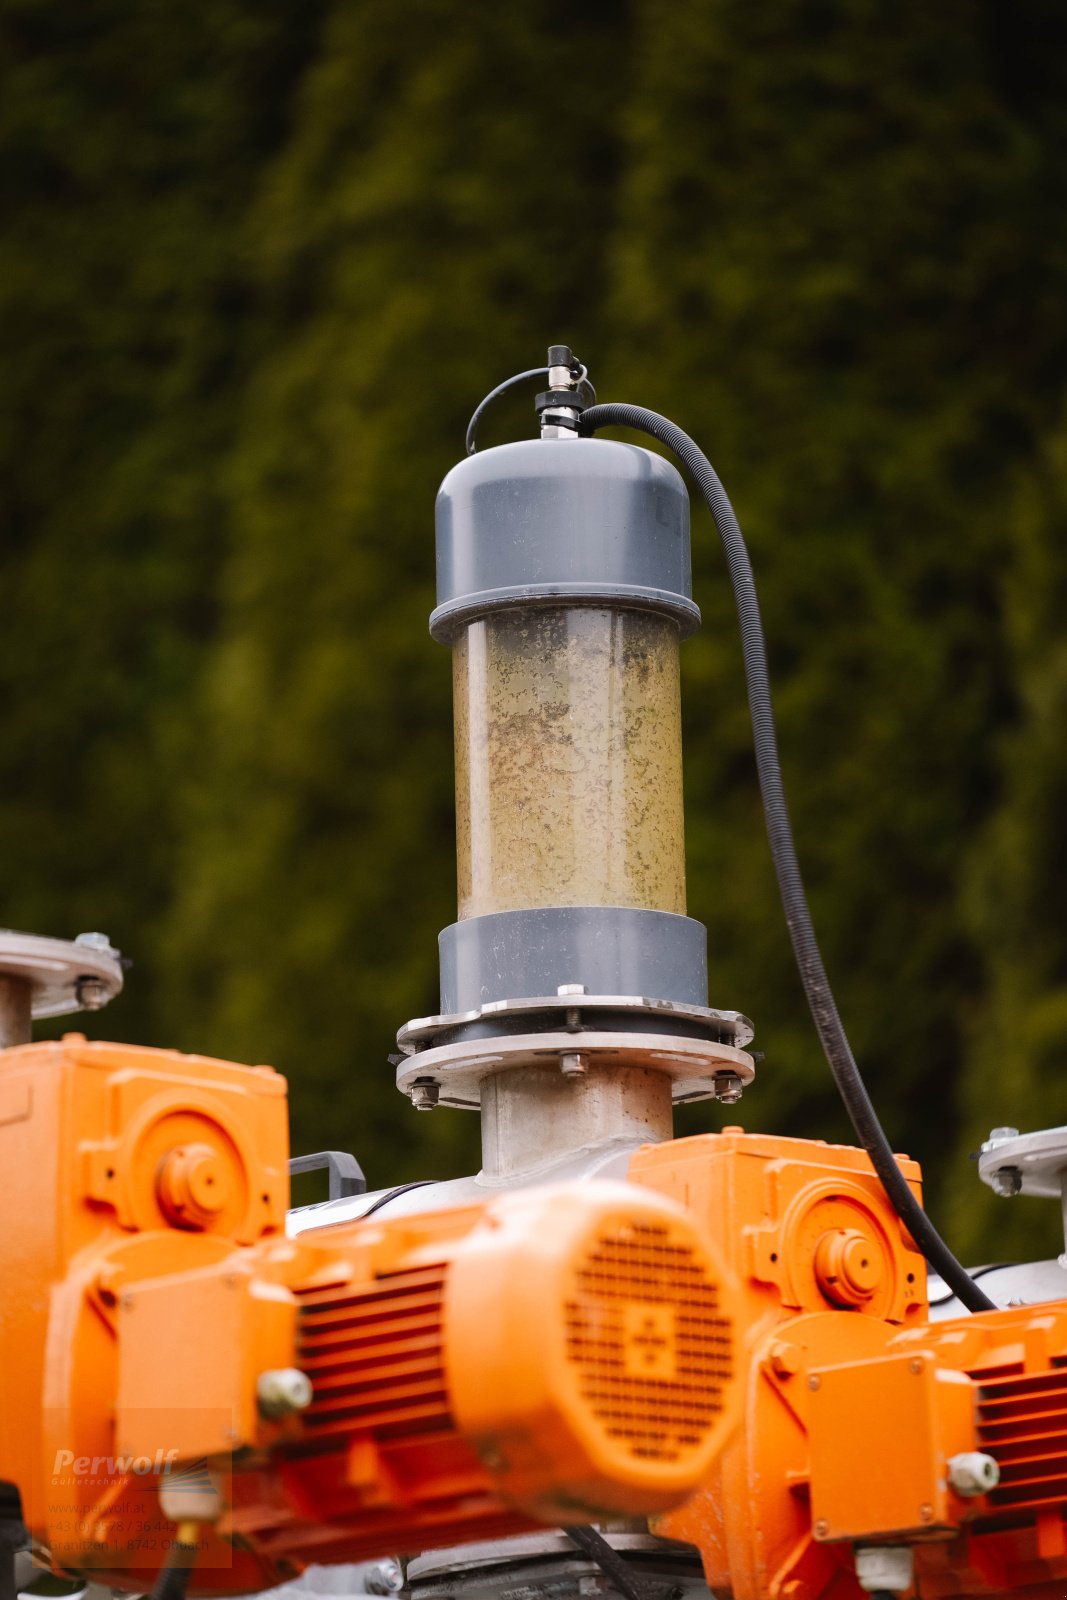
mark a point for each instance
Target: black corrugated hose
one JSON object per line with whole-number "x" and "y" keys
{"x": 820, "y": 998}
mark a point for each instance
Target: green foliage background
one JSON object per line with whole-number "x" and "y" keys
{"x": 257, "y": 265}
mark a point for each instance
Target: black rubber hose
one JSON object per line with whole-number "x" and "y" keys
{"x": 614, "y": 1567}
{"x": 173, "y": 1580}
{"x": 809, "y": 961}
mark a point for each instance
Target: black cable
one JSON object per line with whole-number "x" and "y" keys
{"x": 585, "y": 394}
{"x": 607, "y": 1558}
{"x": 809, "y": 961}
{"x": 173, "y": 1579}
{"x": 391, "y": 1194}
{"x": 8, "y": 1586}
{"x": 494, "y": 394}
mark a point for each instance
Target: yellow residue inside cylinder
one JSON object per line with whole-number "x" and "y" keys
{"x": 568, "y": 761}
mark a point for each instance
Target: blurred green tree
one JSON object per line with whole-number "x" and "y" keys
{"x": 258, "y": 268}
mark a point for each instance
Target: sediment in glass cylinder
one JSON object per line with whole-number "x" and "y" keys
{"x": 568, "y": 761}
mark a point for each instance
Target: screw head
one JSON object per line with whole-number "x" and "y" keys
{"x": 821, "y": 1529}
{"x": 425, "y": 1095}
{"x": 728, "y": 1088}
{"x": 281, "y": 1391}
{"x": 926, "y": 1513}
{"x": 814, "y": 1382}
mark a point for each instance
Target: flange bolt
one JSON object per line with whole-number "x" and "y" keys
{"x": 92, "y": 994}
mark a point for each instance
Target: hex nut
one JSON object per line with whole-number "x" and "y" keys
{"x": 91, "y": 993}
{"x": 728, "y": 1088}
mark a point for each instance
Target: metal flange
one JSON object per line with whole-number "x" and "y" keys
{"x": 699, "y": 1068}
{"x": 62, "y": 975}
{"x": 1011, "y": 1162}
{"x": 571, "y": 1007}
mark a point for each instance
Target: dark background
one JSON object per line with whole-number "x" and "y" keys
{"x": 258, "y": 262}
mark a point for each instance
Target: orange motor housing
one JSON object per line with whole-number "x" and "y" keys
{"x": 863, "y": 1423}
{"x": 552, "y": 1355}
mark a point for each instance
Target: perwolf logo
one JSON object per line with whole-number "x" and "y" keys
{"x": 112, "y": 1466}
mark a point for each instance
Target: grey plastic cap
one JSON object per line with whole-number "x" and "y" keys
{"x": 589, "y": 521}
{"x": 519, "y": 955}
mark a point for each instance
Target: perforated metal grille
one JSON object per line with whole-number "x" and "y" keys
{"x": 652, "y": 1347}
{"x": 1022, "y": 1423}
{"x": 374, "y": 1357}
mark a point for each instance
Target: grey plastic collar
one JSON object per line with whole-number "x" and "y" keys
{"x": 513, "y": 955}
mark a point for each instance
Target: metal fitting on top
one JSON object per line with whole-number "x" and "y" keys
{"x": 560, "y": 407}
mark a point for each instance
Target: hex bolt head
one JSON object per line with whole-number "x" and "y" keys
{"x": 784, "y": 1359}
{"x": 384, "y": 1577}
{"x": 889, "y": 1567}
{"x": 999, "y": 1136}
{"x": 972, "y": 1473}
{"x": 94, "y": 941}
{"x": 425, "y": 1094}
{"x": 728, "y": 1088}
{"x": 282, "y": 1390}
{"x": 1006, "y": 1181}
{"x": 571, "y": 1065}
{"x": 91, "y": 993}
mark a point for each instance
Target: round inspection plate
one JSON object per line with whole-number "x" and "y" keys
{"x": 59, "y": 970}
{"x": 458, "y": 1069}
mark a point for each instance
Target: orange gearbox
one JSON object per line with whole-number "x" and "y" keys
{"x": 167, "y": 1354}
{"x": 865, "y": 1428}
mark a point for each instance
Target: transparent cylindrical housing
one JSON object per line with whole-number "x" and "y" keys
{"x": 568, "y": 760}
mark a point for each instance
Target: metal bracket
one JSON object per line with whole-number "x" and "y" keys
{"x": 346, "y": 1174}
